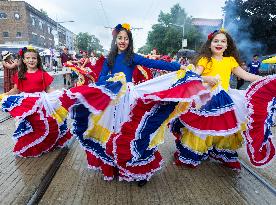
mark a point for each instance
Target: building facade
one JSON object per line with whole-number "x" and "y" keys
{"x": 206, "y": 26}
{"x": 21, "y": 25}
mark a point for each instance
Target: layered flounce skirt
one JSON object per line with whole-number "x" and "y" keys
{"x": 217, "y": 128}
{"x": 261, "y": 103}
{"x": 41, "y": 123}
{"x": 120, "y": 125}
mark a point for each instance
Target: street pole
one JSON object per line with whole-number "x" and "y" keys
{"x": 184, "y": 41}
{"x": 183, "y": 28}
{"x": 57, "y": 37}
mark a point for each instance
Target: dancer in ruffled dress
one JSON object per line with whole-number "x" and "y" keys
{"x": 41, "y": 121}
{"x": 87, "y": 73}
{"x": 215, "y": 129}
{"x": 119, "y": 124}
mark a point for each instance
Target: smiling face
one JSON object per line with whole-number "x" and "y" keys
{"x": 31, "y": 60}
{"x": 122, "y": 41}
{"x": 219, "y": 44}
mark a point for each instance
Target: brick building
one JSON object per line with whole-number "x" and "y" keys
{"x": 21, "y": 25}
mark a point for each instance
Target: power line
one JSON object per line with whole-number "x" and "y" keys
{"x": 133, "y": 28}
{"x": 104, "y": 13}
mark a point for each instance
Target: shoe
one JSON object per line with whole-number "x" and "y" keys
{"x": 232, "y": 165}
{"x": 142, "y": 183}
{"x": 177, "y": 162}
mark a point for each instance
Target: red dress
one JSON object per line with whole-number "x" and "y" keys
{"x": 42, "y": 125}
{"x": 33, "y": 82}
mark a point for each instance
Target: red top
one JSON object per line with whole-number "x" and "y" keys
{"x": 88, "y": 64}
{"x": 34, "y": 82}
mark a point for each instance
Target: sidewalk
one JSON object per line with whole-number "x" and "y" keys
{"x": 52, "y": 73}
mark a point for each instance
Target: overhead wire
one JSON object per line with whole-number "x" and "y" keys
{"x": 104, "y": 13}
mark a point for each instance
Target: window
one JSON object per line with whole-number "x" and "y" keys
{"x": 5, "y": 34}
{"x": 18, "y": 35}
{"x": 3, "y": 15}
{"x": 16, "y": 16}
{"x": 40, "y": 24}
{"x": 34, "y": 38}
{"x": 33, "y": 21}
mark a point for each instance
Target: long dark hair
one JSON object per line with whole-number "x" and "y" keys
{"x": 23, "y": 68}
{"x": 231, "y": 50}
{"x": 114, "y": 50}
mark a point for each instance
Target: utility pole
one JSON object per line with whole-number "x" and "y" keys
{"x": 184, "y": 40}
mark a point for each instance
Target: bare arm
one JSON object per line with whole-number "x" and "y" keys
{"x": 199, "y": 70}
{"x": 13, "y": 91}
{"x": 210, "y": 80}
{"x": 49, "y": 89}
{"x": 10, "y": 66}
{"x": 84, "y": 63}
{"x": 238, "y": 71}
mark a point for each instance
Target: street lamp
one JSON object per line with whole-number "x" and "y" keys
{"x": 59, "y": 22}
{"x": 184, "y": 41}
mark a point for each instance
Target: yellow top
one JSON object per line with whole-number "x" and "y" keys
{"x": 222, "y": 68}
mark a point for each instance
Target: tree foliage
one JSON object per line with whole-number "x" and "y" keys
{"x": 166, "y": 36}
{"x": 254, "y": 19}
{"x": 87, "y": 42}
{"x": 44, "y": 12}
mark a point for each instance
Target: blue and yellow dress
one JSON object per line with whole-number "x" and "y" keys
{"x": 214, "y": 129}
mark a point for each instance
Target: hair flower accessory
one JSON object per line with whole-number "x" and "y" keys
{"x": 126, "y": 26}
{"x": 30, "y": 47}
{"x": 211, "y": 35}
{"x": 20, "y": 52}
{"x": 24, "y": 49}
{"x": 119, "y": 27}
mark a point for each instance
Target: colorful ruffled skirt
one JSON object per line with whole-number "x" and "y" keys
{"x": 120, "y": 125}
{"x": 261, "y": 103}
{"x": 217, "y": 128}
{"x": 41, "y": 123}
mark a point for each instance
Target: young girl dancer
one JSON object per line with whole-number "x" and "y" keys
{"x": 215, "y": 129}
{"x": 121, "y": 137}
{"x": 122, "y": 58}
{"x": 42, "y": 124}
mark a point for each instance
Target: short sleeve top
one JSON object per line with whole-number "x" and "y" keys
{"x": 34, "y": 82}
{"x": 215, "y": 67}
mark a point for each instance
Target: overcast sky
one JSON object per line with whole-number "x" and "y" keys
{"x": 93, "y": 15}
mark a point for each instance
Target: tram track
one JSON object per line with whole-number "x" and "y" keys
{"x": 258, "y": 177}
{"x": 58, "y": 161}
{"x": 49, "y": 176}
{"x": 53, "y": 169}
{"x": 4, "y": 119}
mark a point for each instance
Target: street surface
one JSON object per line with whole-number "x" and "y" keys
{"x": 25, "y": 180}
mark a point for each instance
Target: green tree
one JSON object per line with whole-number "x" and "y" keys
{"x": 88, "y": 42}
{"x": 254, "y": 20}
{"x": 166, "y": 36}
{"x": 43, "y": 12}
